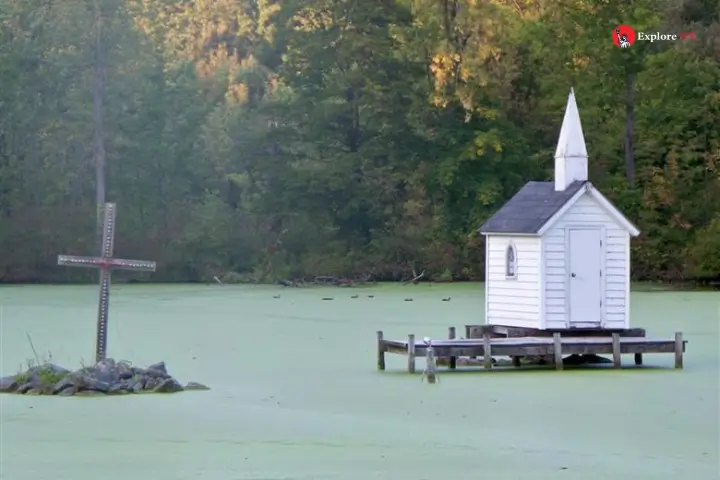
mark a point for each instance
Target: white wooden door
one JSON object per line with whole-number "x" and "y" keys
{"x": 585, "y": 277}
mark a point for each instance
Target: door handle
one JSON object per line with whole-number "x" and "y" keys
{"x": 572, "y": 275}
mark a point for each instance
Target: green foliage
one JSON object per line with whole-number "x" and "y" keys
{"x": 703, "y": 252}
{"x": 277, "y": 139}
{"x": 47, "y": 376}
{"x": 235, "y": 277}
{"x": 445, "y": 276}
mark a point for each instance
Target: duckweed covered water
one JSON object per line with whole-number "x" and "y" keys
{"x": 296, "y": 395}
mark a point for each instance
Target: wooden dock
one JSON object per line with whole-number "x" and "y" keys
{"x": 487, "y": 341}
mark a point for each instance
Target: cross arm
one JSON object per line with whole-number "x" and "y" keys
{"x": 135, "y": 265}
{"x": 76, "y": 261}
{"x": 99, "y": 262}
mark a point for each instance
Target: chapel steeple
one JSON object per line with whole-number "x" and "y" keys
{"x": 571, "y": 158}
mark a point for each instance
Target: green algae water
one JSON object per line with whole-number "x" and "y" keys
{"x": 295, "y": 394}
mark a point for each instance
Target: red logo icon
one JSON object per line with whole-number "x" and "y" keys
{"x": 623, "y": 36}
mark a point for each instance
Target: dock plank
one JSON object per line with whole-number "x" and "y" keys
{"x": 525, "y": 346}
{"x": 520, "y": 341}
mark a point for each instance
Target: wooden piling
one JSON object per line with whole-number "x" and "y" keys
{"x": 557, "y": 351}
{"x": 380, "y": 351}
{"x": 452, "y": 360}
{"x": 468, "y": 334}
{"x": 487, "y": 351}
{"x": 411, "y": 353}
{"x": 638, "y": 359}
{"x": 431, "y": 366}
{"x": 617, "y": 357}
{"x": 679, "y": 347}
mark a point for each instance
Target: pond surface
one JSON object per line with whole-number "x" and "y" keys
{"x": 295, "y": 393}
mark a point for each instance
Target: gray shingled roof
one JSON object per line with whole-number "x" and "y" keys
{"x": 530, "y": 208}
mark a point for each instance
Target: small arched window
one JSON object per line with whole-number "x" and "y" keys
{"x": 511, "y": 262}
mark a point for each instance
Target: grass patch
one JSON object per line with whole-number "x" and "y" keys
{"x": 42, "y": 368}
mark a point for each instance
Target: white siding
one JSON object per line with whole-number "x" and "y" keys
{"x": 587, "y": 212}
{"x": 514, "y": 302}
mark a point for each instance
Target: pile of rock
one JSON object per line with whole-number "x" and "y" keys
{"x": 107, "y": 377}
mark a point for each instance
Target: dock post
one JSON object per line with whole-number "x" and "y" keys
{"x": 411, "y": 353}
{"x": 451, "y": 336}
{"x": 638, "y": 359}
{"x": 380, "y": 351}
{"x": 617, "y": 362}
{"x": 487, "y": 351}
{"x": 679, "y": 347}
{"x": 557, "y": 350}
{"x": 468, "y": 328}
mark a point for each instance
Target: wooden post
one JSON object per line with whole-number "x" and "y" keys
{"x": 380, "y": 351}
{"x": 411, "y": 353}
{"x": 679, "y": 347}
{"x": 430, "y": 366}
{"x": 487, "y": 351}
{"x": 516, "y": 361}
{"x": 617, "y": 362}
{"x": 451, "y": 336}
{"x": 638, "y": 359}
{"x": 557, "y": 350}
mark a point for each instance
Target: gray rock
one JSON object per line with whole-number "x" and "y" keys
{"x": 196, "y": 386}
{"x": 105, "y": 371}
{"x": 8, "y": 384}
{"x": 157, "y": 370}
{"x": 67, "y": 392}
{"x": 125, "y": 370}
{"x": 152, "y": 382}
{"x": 169, "y": 385}
{"x": 85, "y": 381}
{"x": 24, "y": 388}
{"x": 117, "y": 389}
{"x": 63, "y": 384}
{"x": 125, "y": 385}
{"x": 34, "y": 391}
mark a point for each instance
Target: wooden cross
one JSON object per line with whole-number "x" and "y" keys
{"x": 105, "y": 263}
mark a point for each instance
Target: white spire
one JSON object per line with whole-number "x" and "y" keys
{"x": 571, "y": 158}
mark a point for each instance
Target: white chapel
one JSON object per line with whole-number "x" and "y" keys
{"x": 557, "y": 254}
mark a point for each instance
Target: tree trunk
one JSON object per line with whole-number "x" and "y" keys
{"x": 630, "y": 128}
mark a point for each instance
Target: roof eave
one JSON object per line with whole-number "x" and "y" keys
{"x": 561, "y": 211}
{"x": 588, "y": 187}
{"x": 614, "y": 211}
{"x": 508, "y": 234}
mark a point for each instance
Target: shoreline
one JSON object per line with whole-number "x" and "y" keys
{"x": 639, "y": 286}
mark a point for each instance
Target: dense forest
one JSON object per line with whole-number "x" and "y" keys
{"x": 259, "y": 140}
